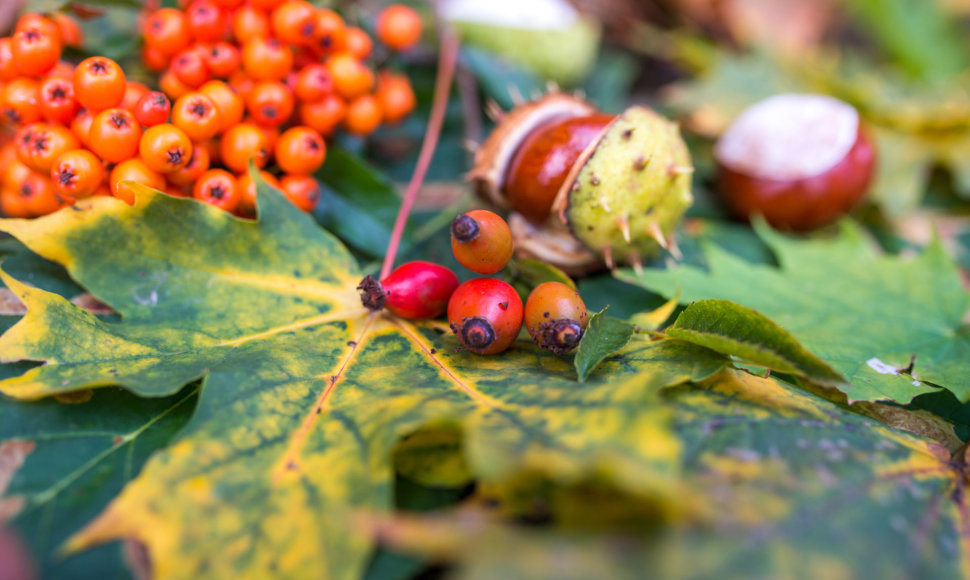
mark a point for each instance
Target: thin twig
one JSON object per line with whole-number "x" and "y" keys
{"x": 470, "y": 105}
{"x": 447, "y": 59}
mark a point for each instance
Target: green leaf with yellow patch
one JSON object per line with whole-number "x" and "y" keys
{"x": 781, "y": 484}
{"x": 305, "y": 394}
{"x": 893, "y": 327}
{"x": 732, "y": 329}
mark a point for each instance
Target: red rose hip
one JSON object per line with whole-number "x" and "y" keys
{"x": 486, "y": 315}
{"x": 414, "y": 290}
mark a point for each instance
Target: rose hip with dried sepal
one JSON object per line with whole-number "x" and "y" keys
{"x": 486, "y": 315}
{"x": 555, "y": 317}
{"x": 481, "y": 241}
{"x": 414, "y": 290}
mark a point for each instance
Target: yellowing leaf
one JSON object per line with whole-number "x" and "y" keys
{"x": 305, "y": 394}
{"x": 782, "y": 484}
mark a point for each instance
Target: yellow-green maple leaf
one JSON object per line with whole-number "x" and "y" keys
{"x": 305, "y": 393}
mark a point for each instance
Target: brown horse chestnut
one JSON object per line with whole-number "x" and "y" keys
{"x": 801, "y": 161}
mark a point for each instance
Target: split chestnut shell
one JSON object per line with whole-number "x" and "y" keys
{"x": 621, "y": 199}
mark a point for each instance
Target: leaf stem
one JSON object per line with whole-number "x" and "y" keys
{"x": 447, "y": 59}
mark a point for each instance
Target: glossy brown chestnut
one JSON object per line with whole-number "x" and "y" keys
{"x": 798, "y": 177}
{"x": 543, "y": 161}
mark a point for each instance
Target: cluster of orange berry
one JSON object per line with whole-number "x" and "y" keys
{"x": 485, "y": 314}
{"x": 256, "y": 80}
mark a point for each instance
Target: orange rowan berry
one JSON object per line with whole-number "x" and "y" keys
{"x": 241, "y": 83}
{"x": 77, "y": 173}
{"x": 395, "y": 95}
{"x": 38, "y": 195}
{"x": 218, "y": 187}
{"x": 165, "y": 148}
{"x": 294, "y": 22}
{"x": 70, "y": 31}
{"x": 47, "y": 143}
{"x": 190, "y": 67}
{"x": 249, "y": 22}
{"x": 331, "y": 32}
{"x": 270, "y": 103}
{"x": 303, "y": 191}
{"x": 134, "y": 91}
{"x": 300, "y": 150}
{"x": 114, "y": 135}
{"x": 34, "y": 51}
{"x": 172, "y": 86}
{"x": 21, "y": 101}
{"x": 399, "y": 27}
{"x": 12, "y": 205}
{"x": 266, "y": 59}
{"x": 206, "y": 21}
{"x": 154, "y": 59}
{"x": 223, "y": 59}
{"x": 8, "y": 68}
{"x": 363, "y": 115}
{"x": 38, "y": 21}
{"x": 241, "y": 143}
{"x": 351, "y": 78}
{"x": 265, "y": 4}
{"x": 198, "y": 164}
{"x": 313, "y": 83}
{"x": 81, "y": 126}
{"x": 134, "y": 170}
{"x": 358, "y": 43}
{"x": 167, "y": 31}
{"x": 325, "y": 115}
{"x": 227, "y": 102}
{"x": 197, "y": 115}
{"x": 555, "y": 317}
{"x": 99, "y": 83}
{"x": 152, "y": 109}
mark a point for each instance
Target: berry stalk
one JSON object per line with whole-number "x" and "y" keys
{"x": 447, "y": 59}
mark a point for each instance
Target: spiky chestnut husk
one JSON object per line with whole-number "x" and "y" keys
{"x": 621, "y": 200}
{"x": 628, "y": 191}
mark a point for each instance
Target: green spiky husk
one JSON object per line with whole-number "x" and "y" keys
{"x": 565, "y": 56}
{"x": 639, "y": 175}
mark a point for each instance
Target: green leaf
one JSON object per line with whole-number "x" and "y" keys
{"x": 525, "y": 275}
{"x": 357, "y": 203}
{"x": 917, "y": 34}
{"x": 732, "y": 329}
{"x": 305, "y": 393}
{"x": 81, "y": 456}
{"x": 867, "y": 315}
{"x": 604, "y": 336}
{"x": 781, "y": 484}
{"x": 611, "y": 80}
{"x": 502, "y": 81}
{"x": 56, "y": 5}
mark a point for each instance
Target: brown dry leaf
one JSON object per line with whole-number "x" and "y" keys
{"x": 918, "y": 422}
{"x": 787, "y": 26}
{"x": 10, "y": 305}
{"x": 12, "y": 456}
